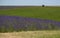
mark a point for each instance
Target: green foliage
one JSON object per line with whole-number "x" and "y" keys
{"x": 3, "y": 29}
{"x": 10, "y": 29}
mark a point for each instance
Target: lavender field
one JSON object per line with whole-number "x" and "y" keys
{"x": 29, "y": 22}
{"x": 29, "y": 18}
{"x": 17, "y": 23}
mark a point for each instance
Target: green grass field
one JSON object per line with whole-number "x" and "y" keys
{"x": 52, "y": 13}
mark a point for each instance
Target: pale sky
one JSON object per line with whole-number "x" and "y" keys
{"x": 30, "y": 2}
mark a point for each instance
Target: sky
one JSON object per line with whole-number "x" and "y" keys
{"x": 30, "y": 2}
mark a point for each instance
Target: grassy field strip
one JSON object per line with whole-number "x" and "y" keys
{"x": 31, "y": 34}
{"x": 51, "y": 13}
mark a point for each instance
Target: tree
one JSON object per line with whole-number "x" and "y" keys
{"x": 43, "y": 5}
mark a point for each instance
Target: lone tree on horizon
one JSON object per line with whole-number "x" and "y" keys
{"x": 43, "y": 5}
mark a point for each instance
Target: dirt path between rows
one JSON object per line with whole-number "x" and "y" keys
{"x": 29, "y": 34}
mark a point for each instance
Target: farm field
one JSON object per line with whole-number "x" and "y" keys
{"x": 30, "y": 22}
{"x": 32, "y": 34}
{"x": 50, "y": 13}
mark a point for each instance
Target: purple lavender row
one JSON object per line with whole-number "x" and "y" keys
{"x": 23, "y": 22}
